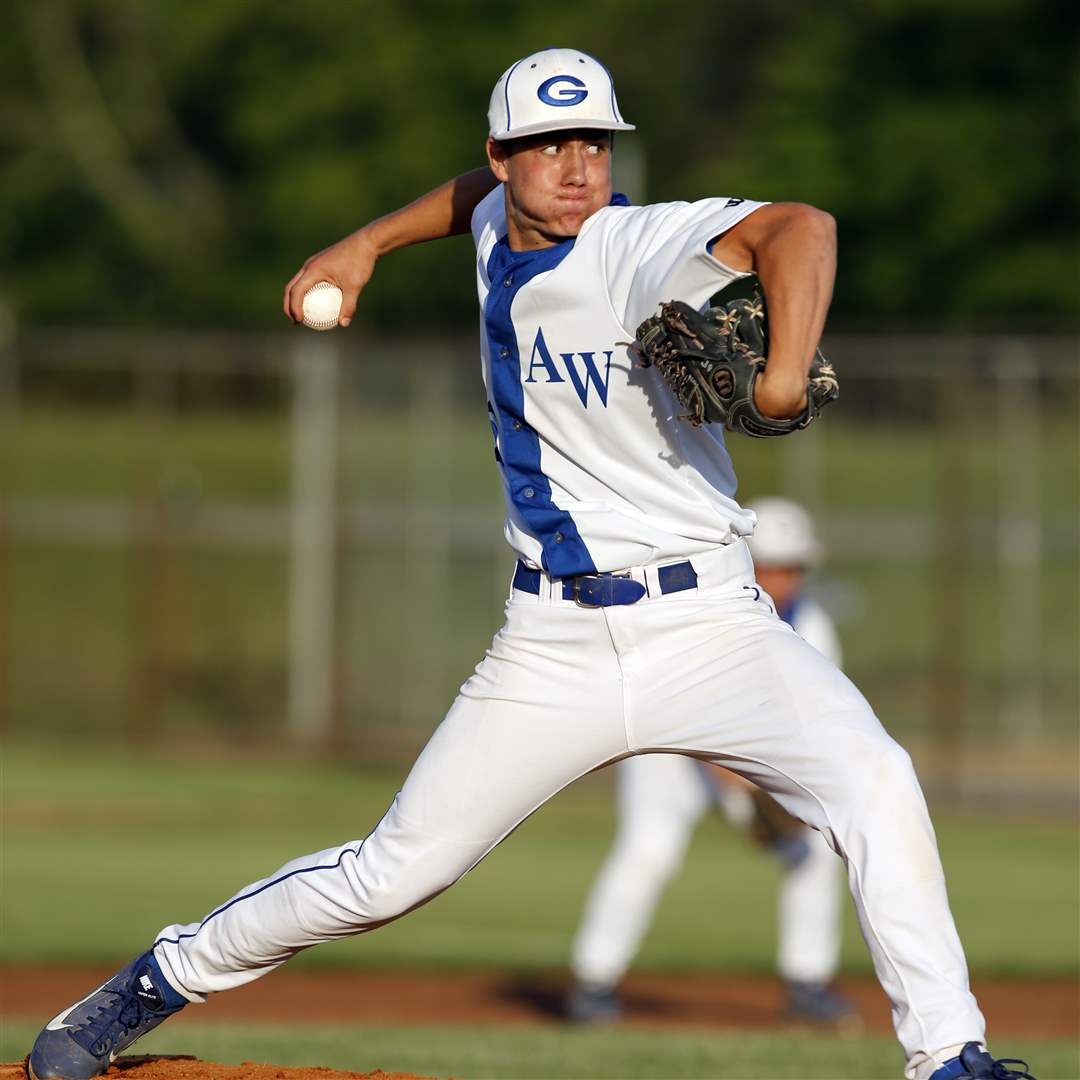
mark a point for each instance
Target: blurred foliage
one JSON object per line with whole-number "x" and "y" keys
{"x": 173, "y": 163}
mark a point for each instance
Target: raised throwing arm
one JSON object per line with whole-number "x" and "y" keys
{"x": 349, "y": 264}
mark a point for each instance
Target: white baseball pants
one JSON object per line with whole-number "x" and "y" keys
{"x": 711, "y": 672}
{"x": 660, "y": 799}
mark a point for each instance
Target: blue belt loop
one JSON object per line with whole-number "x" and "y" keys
{"x": 677, "y": 578}
{"x": 609, "y": 590}
{"x": 527, "y": 580}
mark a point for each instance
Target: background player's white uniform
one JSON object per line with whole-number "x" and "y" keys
{"x": 685, "y": 654}
{"x": 660, "y": 800}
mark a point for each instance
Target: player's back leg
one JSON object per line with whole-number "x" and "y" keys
{"x": 543, "y": 708}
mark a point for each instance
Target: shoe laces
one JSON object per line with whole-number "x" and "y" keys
{"x": 1002, "y": 1073}
{"x": 110, "y": 1022}
{"x": 999, "y": 1069}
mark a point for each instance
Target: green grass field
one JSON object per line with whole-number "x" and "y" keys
{"x": 151, "y": 840}
{"x": 103, "y": 848}
{"x": 530, "y": 1053}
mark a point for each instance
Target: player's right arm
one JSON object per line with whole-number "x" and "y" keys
{"x": 349, "y": 264}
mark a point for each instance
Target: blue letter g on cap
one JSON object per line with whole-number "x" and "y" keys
{"x": 565, "y": 96}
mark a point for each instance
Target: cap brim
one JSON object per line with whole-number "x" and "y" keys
{"x": 564, "y": 125}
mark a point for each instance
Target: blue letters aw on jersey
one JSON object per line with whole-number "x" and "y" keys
{"x": 541, "y": 358}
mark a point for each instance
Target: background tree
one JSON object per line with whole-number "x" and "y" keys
{"x": 167, "y": 163}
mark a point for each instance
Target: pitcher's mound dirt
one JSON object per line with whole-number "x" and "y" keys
{"x": 148, "y": 1067}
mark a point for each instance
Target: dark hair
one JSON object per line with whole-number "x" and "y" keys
{"x": 521, "y": 142}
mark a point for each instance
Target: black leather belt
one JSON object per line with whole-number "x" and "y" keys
{"x": 609, "y": 590}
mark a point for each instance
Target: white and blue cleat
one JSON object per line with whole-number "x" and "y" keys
{"x": 85, "y": 1038}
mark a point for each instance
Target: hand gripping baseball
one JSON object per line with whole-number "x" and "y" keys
{"x": 348, "y": 264}
{"x": 711, "y": 362}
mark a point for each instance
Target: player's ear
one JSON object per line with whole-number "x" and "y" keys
{"x": 497, "y": 159}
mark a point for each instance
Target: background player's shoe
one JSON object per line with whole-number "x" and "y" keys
{"x": 85, "y": 1038}
{"x": 593, "y": 1005}
{"x": 819, "y": 1003}
{"x": 975, "y": 1064}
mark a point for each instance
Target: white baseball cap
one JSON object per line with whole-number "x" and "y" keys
{"x": 784, "y": 534}
{"x": 554, "y": 90}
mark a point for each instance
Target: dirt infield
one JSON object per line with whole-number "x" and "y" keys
{"x": 1048, "y": 1008}
{"x": 189, "y": 1068}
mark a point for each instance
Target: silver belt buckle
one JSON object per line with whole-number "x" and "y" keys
{"x": 577, "y": 592}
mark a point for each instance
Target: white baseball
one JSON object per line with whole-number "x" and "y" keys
{"x": 322, "y": 306}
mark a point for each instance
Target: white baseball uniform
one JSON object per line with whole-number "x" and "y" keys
{"x": 660, "y": 798}
{"x": 685, "y": 654}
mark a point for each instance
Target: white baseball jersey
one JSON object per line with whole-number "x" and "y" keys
{"x": 599, "y": 473}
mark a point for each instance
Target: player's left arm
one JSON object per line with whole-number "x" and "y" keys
{"x": 791, "y": 247}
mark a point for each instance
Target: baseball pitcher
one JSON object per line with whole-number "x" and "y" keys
{"x": 633, "y": 622}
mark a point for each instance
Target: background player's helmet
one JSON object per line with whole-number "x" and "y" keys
{"x": 784, "y": 534}
{"x": 554, "y": 90}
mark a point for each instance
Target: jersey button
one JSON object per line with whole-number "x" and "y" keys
{"x": 508, "y": 281}
{"x": 558, "y": 538}
{"x": 528, "y": 493}
{"x": 516, "y": 425}
{"x": 504, "y": 353}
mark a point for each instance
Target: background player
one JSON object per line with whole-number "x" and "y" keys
{"x": 634, "y": 624}
{"x": 660, "y": 798}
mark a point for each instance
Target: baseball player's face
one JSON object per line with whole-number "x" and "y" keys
{"x": 554, "y": 182}
{"x": 782, "y": 583}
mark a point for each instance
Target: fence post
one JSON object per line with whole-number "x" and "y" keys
{"x": 312, "y": 640}
{"x": 152, "y": 595}
{"x": 9, "y": 405}
{"x": 951, "y": 552}
{"x": 1019, "y": 539}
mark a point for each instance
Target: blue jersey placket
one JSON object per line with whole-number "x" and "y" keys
{"x": 564, "y": 553}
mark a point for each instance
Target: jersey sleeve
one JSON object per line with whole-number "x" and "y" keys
{"x": 661, "y": 252}
{"x": 488, "y": 215}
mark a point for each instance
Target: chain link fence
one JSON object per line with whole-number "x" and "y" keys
{"x": 296, "y": 539}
